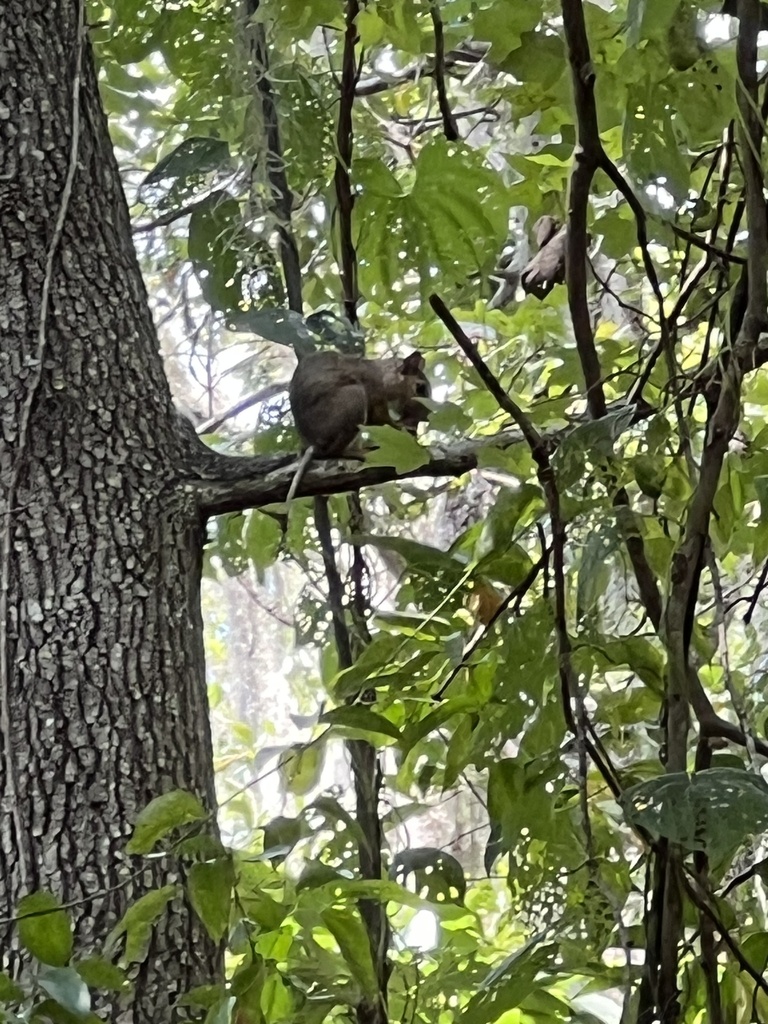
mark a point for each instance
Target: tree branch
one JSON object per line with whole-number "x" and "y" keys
{"x": 468, "y": 54}
{"x": 586, "y": 159}
{"x": 226, "y": 483}
{"x": 450, "y": 127}
{"x": 344, "y": 146}
{"x": 750, "y": 135}
{"x": 282, "y": 198}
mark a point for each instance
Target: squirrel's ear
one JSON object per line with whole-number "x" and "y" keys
{"x": 413, "y": 364}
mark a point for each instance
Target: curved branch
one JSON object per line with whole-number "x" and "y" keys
{"x": 350, "y": 73}
{"x": 586, "y": 160}
{"x": 282, "y": 197}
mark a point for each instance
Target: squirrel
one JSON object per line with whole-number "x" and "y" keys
{"x": 333, "y": 395}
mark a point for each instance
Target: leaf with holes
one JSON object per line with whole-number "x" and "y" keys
{"x": 714, "y": 810}
{"x": 437, "y": 875}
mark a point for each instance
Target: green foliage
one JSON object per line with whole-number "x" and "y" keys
{"x": 714, "y": 810}
{"x": 165, "y": 814}
{"x": 210, "y": 892}
{"x": 44, "y": 928}
{"x": 134, "y": 930}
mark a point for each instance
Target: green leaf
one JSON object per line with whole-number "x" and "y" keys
{"x": 283, "y": 326}
{"x": 204, "y": 996}
{"x": 248, "y": 984}
{"x": 714, "y": 810}
{"x": 193, "y": 158}
{"x": 448, "y": 217}
{"x": 277, "y": 1000}
{"x": 138, "y": 921}
{"x": 263, "y": 537}
{"x": 49, "y": 1011}
{"x": 221, "y": 1012}
{"x": 314, "y": 875}
{"x": 650, "y": 19}
{"x": 372, "y": 667}
{"x": 350, "y": 934}
{"x": 505, "y": 24}
{"x": 361, "y": 719}
{"x": 508, "y": 985}
{"x": 599, "y": 436}
{"x": 755, "y": 949}
{"x": 44, "y": 928}
{"x": 443, "y": 713}
{"x": 761, "y": 489}
{"x": 301, "y": 765}
{"x": 101, "y": 974}
{"x": 396, "y": 448}
{"x": 210, "y": 893}
{"x": 10, "y": 992}
{"x": 595, "y": 569}
{"x": 419, "y": 557}
{"x": 437, "y": 875}
{"x": 161, "y": 816}
{"x": 650, "y": 474}
{"x": 281, "y": 834}
{"x": 231, "y": 261}
{"x": 302, "y": 17}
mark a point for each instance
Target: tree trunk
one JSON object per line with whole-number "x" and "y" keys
{"x": 102, "y": 691}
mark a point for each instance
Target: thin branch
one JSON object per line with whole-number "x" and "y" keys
{"x": 531, "y": 435}
{"x": 170, "y": 217}
{"x": 450, "y": 127}
{"x": 763, "y": 578}
{"x": 690, "y": 283}
{"x": 515, "y": 595}
{"x": 702, "y": 243}
{"x": 701, "y": 900}
{"x": 548, "y": 484}
{"x": 470, "y": 53}
{"x": 750, "y": 132}
{"x": 282, "y": 198}
{"x": 211, "y": 425}
{"x": 586, "y": 160}
{"x": 344, "y": 149}
{"x": 722, "y": 636}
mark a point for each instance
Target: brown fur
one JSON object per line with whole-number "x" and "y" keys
{"x": 333, "y": 395}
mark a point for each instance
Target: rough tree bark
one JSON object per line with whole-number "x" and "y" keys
{"x": 102, "y": 692}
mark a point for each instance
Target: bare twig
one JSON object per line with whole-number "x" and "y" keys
{"x": 515, "y": 595}
{"x": 263, "y": 395}
{"x": 170, "y": 217}
{"x": 468, "y": 54}
{"x": 702, "y": 901}
{"x": 341, "y": 177}
{"x": 706, "y": 246}
{"x": 450, "y": 128}
{"x": 586, "y": 161}
{"x": 282, "y": 197}
{"x": 750, "y": 133}
{"x": 760, "y": 586}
